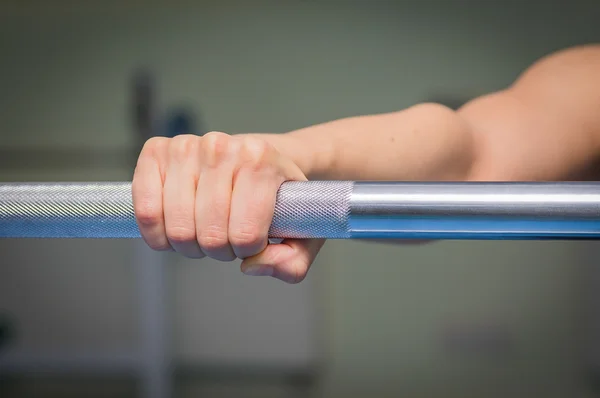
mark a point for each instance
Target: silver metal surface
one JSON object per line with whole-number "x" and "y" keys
{"x": 67, "y": 210}
{"x": 333, "y": 210}
{"x": 315, "y": 209}
{"x": 498, "y": 210}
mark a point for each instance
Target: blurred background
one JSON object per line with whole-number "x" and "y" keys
{"x": 83, "y": 83}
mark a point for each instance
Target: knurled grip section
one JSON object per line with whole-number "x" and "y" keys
{"x": 315, "y": 209}
{"x": 67, "y": 210}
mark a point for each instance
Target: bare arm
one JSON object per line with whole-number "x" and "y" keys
{"x": 546, "y": 126}
{"x": 426, "y": 141}
{"x": 215, "y": 195}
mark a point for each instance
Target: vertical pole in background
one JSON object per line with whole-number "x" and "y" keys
{"x": 155, "y": 361}
{"x": 149, "y": 267}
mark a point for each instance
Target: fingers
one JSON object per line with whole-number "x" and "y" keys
{"x": 213, "y": 199}
{"x": 260, "y": 174}
{"x": 252, "y": 206}
{"x": 289, "y": 261}
{"x": 147, "y": 188}
{"x": 215, "y": 196}
{"x": 179, "y": 196}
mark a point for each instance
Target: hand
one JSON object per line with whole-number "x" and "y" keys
{"x": 215, "y": 196}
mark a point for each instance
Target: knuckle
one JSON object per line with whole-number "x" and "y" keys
{"x": 213, "y": 239}
{"x": 148, "y": 215}
{"x": 246, "y": 236}
{"x": 153, "y": 147}
{"x": 216, "y": 147}
{"x": 256, "y": 152}
{"x": 183, "y": 146}
{"x": 180, "y": 234}
{"x": 155, "y": 143}
{"x": 158, "y": 246}
{"x": 216, "y": 137}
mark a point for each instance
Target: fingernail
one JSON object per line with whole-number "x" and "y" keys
{"x": 258, "y": 270}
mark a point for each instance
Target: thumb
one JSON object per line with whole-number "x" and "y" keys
{"x": 288, "y": 261}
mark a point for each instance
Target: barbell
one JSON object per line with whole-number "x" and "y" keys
{"x": 331, "y": 209}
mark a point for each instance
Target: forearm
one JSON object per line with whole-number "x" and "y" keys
{"x": 424, "y": 142}
{"x": 546, "y": 126}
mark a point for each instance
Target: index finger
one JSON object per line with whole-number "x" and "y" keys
{"x": 147, "y": 194}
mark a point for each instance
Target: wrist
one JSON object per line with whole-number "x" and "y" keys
{"x": 306, "y": 155}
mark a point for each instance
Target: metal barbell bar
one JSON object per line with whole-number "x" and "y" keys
{"x": 331, "y": 209}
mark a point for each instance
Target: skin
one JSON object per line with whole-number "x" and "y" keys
{"x": 214, "y": 195}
